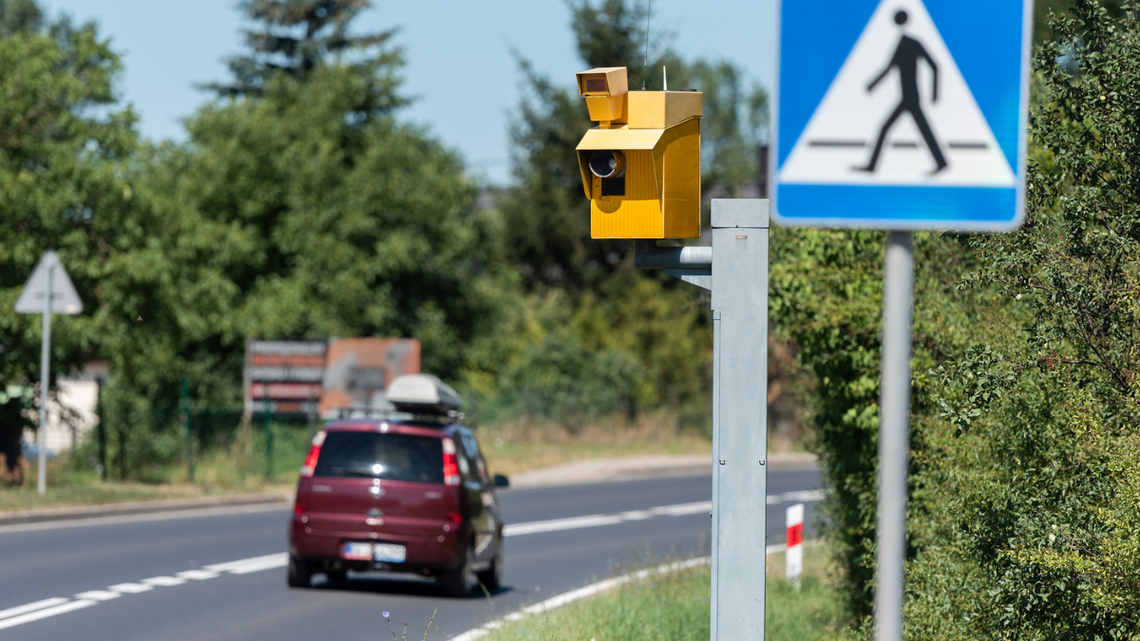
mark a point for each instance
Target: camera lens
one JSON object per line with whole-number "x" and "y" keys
{"x": 607, "y": 164}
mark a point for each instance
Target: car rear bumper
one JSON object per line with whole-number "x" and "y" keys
{"x": 439, "y": 551}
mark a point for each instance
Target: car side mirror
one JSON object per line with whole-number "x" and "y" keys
{"x": 502, "y": 481}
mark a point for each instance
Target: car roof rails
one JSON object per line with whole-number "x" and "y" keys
{"x": 429, "y": 418}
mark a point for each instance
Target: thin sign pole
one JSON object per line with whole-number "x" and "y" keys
{"x": 45, "y": 363}
{"x": 898, "y": 299}
{"x": 268, "y": 435}
{"x": 189, "y": 429}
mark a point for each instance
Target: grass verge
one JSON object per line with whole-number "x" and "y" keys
{"x": 235, "y": 469}
{"x": 513, "y": 447}
{"x": 240, "y": 467}
{"x": 675, "y": 607}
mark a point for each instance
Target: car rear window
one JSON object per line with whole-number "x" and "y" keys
{"x": 396, "y": 457}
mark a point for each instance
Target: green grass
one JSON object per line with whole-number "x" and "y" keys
{"x": 812, "y": 613}
{"x": 513, "y": 447}
{"x": 236, "y": 469}
{"x": 675, "y": 607}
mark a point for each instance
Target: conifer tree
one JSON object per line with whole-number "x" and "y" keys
{"x": 293, "y": 37}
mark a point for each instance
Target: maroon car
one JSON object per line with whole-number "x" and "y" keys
{"x": 409, "y": 494}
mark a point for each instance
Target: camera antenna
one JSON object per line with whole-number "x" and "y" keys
{"x": 645, "y": 60}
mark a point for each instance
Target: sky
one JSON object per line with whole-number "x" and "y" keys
{"x": 460, "y": 69}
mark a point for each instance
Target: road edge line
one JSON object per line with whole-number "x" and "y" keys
{"x": 566, "y": 598}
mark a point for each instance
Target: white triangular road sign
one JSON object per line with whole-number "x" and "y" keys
{"x": 64, "y": 298}
{"x": 839, "y": 141}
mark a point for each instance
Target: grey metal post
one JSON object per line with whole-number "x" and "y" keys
{"x": 898, "y": 298}
{"x": 45, "y": 363}
{"x": 735, "y": 269}
{"x": 740, "y": 431}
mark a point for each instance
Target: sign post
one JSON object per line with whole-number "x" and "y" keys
{"x": 735, "y": 269}
{"x": 48, "y": 290}
{"x": 899, "y": 120}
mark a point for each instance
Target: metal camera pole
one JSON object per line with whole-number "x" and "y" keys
{"x": 735, "y": 269}
{"x": 894, "y": 418}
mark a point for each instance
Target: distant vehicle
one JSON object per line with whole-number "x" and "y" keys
{"x": 409, "y": 492}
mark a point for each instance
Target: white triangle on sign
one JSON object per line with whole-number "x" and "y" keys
{"x": 837, "y": 145}
{"x": 64, "y": 298}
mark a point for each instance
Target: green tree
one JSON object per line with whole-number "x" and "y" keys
{"x": 322, "y": 215}
{"x": 295, "y": 37}
{"x": 65, "y": 145}
{"x": 1047, "y": 523}
{"x": 585, "y": 297}
{"x": 826, "y": 300}
{"x": 1024, "y": 494}
{"x": 1043, "y": 29}
{"x": 20, "y": 16}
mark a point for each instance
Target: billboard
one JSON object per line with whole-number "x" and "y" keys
{"x": 325, "y": 378}
{"x": 286, "y": 375}
{"x": 359, "y": 371}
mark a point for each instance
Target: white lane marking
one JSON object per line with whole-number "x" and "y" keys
{"x": 163, "y": 581}
{"x": 131, "y": 588}
{"x": 242, "y": 563}
{"x": 681, "y": 509}
{"x": 38, "y": 605}
{"x": 268, "y": 564}
{"x": 555, "y": 525}
{"x": 197, "y": 575}
{"x": 43, "y": 614}
{"x": 99, "y": 595}
{"x": 803, "y": 496}
{"x": 636, "y": 515}
{"x": 56, "y": 606}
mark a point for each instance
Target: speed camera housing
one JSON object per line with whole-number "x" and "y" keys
{"x": 641, "y": 166}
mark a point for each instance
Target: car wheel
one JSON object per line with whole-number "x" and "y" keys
{"x": 337, "y": 576}
{"x": 299, "y": 573}
{"x": 457, "y": 581}
{"x": 492, "y": 577}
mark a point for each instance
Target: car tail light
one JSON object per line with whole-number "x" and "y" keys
{"x": 314, "y": 453}
{"x": 300, "y": 509}
{"x": 450, "y": 463}
{"x": 455, "y": 517}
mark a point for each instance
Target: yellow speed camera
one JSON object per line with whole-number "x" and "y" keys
{"x": 641, "y": 166}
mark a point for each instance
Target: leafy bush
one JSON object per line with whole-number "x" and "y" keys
{"x": 1025, "y": 493}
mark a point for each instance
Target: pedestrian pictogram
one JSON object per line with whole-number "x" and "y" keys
{"x": 901, "y": 114}
{"x": 907, "y": 56}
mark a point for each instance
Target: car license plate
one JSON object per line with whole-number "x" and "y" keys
{"x": 388, "y": 553}
{"x": 358, "y": 551}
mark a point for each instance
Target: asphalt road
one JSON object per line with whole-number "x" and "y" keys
{"x": 220, "y": 574}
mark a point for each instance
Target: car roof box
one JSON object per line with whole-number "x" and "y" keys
{"x": 423, "y": 394}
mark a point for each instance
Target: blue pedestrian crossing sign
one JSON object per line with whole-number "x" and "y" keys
{"x": 902, "y": 114}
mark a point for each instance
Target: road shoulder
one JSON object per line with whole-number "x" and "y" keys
{"x": 43, "y": 515}
{"x": 648, "y": 466}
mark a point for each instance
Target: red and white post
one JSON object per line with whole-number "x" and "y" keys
{"x": 794, "y": 556}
